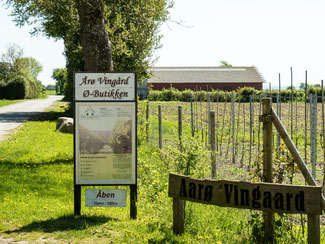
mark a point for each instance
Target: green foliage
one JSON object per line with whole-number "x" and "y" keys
{"x": 61, "y": 76}
{"x": 19, "y": 75}
{"x": 132, "y": 28}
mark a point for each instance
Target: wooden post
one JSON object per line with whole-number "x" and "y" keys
{"x": 160, "y": 127}
{"x": 77, "y": 199}
{"x": 178, "y": 216}
{"x": 192, "y": 122}
{"x": 291, "y": 102}
{"x": 323, "y": 128}
{"x": 313, "y": 229}
{"x": 233, "y": 128}
{"x": 212, "y": 129}
{"x": 267, "y": 163}
{"x": 313, "y": 132}
{"x": 250, "y": 131}
{"x": 180, "y": 123}
{"x": 147, "y": 121}
{"x": 133, "y": 200}
{"x": 306, "y": 125}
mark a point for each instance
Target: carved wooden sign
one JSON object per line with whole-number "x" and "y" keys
{"x": 258, "y": 196}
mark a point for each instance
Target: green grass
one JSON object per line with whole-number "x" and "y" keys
{"x": 36, "y": 195}
{"x": 47, "y": 92}
{"x": 5, "y": 102}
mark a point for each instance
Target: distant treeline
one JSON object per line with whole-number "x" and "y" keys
{"x": 242, "y": 95}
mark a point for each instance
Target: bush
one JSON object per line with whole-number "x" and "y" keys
{"x": 18, "y": 88}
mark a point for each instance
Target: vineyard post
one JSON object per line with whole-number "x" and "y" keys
{"x": 233, "y": 127}
{"x": 277, "y": 110}
{"x": 160, "y": 126}
{"x": 267, "y": 163}
{"x": 180, "y": 124}
{"x": 217, "y": 122}
{"x": 280, "y": 95}
{"x": 323, "y": 120}
{"x": 147, "y": 121}
{"x": 212, "y": 139}
{"x": 209, "y": 109}
{"x": 192, "y": 123}
{"x": 306, "y": 125}
{"x": 250, "y": 131}
{"x": 313, "y": 132}
{"x": 291, "y": 102}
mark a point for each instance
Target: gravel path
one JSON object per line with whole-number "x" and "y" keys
{"x": 13, "y": 115}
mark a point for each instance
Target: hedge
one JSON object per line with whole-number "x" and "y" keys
{"x": 242, "y": 94}
{"x": 18, "y": 88}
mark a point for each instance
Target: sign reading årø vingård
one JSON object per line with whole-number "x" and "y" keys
{"x": 257, "y": 196}
{"x": 105, "y": 87}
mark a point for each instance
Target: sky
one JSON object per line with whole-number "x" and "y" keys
{"x": 271, "y": 35}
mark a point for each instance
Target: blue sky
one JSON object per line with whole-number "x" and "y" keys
{"x": 271, "y": 35}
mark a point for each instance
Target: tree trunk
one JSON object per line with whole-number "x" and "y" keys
{"x": 96, "y": 46}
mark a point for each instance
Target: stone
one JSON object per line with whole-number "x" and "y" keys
{"x": 65, "y": 125}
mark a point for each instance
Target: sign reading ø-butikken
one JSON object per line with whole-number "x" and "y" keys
{"x": 257, "y": 196}
{"x": 105, "y": 87}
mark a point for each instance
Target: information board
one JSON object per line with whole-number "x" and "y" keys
{"x": 105, "y": 143}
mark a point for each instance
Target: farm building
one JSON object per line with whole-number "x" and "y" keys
{"x": 205, "y": 78}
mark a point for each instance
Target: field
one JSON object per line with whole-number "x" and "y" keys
{"x": 36, "y": 182}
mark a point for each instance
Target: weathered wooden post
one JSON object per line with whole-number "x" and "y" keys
{"x": 267, "y": 163}
{"x": 313, "y": 132}
{"x": 192, "y": 122}
{"x": 250, "y": 130}
{"x": 180, "y": 123}
{"x": 160, "y": 126}
{"x": 233, "y": 127}
{"x": 212, "y": 129}
{"x": 147, "y": 121}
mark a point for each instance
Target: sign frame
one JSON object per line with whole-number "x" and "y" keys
{"x": 76, "y": 101}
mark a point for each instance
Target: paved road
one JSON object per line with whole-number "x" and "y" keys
{"x": 13, "y": 115}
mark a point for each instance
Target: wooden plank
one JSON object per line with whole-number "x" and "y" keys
{"x": 258, "y": 196}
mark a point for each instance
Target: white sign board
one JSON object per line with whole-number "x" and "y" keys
{"x": 105, "y": 198}
{"x": 105, "y": 143}
{"x": 105, "y": 87}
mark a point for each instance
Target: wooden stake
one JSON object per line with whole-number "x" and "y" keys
{"x": 160, "y": 127}
{"x": 267, "y": 164}
{"x": 212, "y": 140}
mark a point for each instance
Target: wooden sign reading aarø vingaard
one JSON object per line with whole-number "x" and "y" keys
{"x": 258, "y": 196}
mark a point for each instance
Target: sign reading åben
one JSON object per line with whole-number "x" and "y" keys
{"x": 258, "y": 196}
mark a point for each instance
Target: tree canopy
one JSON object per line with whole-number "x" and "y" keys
{"x": 18, "y": 74}
{"x": 132, "y": 28}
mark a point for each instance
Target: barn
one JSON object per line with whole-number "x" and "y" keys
{"x": 205, "y": 78}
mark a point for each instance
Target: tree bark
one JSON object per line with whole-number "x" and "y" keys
{"x": 96, "y": 46}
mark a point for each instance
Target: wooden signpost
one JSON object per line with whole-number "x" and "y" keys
{"x": 266, "y": 196}
{"x": 105, "y": 148}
